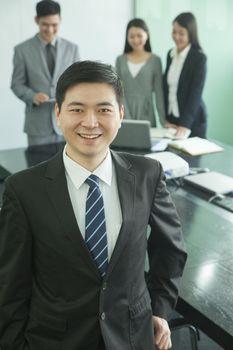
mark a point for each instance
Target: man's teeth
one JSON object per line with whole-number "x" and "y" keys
{"x": 86, "y": 136}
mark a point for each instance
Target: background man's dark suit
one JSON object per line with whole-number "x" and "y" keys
{"x": 192, "y": 109}
{"x": 42, "y": 302}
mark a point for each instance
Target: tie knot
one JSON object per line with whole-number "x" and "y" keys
{"x": 93, "y": 181}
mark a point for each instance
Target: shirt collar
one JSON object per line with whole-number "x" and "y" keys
{"x": 182, "y": 54}
{"x": 44, "y": 43}
{"x": 78, "y": 174}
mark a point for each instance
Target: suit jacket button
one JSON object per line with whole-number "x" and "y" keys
{"x": 102, "y": 316}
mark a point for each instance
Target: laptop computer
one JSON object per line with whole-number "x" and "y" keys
{"x": 212, "y": 182}
{"x": 135, "y": 134}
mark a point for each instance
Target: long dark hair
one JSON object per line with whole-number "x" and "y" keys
{"x": 139, "y": 23}
{"x": 188, "y": 21}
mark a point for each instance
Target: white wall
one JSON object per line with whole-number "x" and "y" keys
{"x": 97, "y": 26}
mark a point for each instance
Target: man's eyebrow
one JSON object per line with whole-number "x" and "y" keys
{"x": 105, "y": 103}
{"x": 77, "y": 103}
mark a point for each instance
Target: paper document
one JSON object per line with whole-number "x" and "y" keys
{"x": 173, "y": 165}
{"x": 51, "y": 100}
{"x": 169, "y": 133}
{"x": 196, "y": 146}
{"x": 161, "y": 145}
{"x": 162, "y": 132}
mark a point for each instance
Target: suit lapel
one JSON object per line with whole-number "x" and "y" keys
{"x": 57, "y": 190}
{"x": 185, "y": 68}
{"x": 58, "y": 61}
{"x": 41, "y": 55}
{"x": 126, "y": 189}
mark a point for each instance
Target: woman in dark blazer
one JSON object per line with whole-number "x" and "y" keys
{"x": 184, "y": 80}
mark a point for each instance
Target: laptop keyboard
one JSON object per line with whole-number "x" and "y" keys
{"x": 225, "y": 203}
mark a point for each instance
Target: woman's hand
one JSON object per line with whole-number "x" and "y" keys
{"x": 182, "y": 132}
{"x": 170, "y": 125}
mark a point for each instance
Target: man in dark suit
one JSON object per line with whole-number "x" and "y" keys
{"x": 73, "y": 234}
{"x": 38, "y": 63}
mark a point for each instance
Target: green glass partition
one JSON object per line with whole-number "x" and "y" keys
{"x": 215, "y": 25}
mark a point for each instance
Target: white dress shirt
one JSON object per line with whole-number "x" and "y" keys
{"x": 78, "y": 189}
{"x": 173, "y": 77}
{"x": 45, "y": 43}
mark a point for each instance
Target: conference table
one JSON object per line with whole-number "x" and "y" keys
{"x": 206, "y": 295}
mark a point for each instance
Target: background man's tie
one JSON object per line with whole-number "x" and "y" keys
{"x": 50, "y": 58}
{"x": 95, "y": 235}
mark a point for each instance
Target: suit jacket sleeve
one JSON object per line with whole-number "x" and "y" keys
{"x": 165, "y": 84}
{"x": 76, "y": 54}
{"x": 158, "y": 86}
{"x": 19, "y": 78}
{"x": 15, "y": 271}
{"x": 166, "y": 252}
{"x": 195, "y": 89}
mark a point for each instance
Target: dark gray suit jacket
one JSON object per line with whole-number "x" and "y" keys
{"x": 51, "y": 294}
{"x": 31, "y": 75}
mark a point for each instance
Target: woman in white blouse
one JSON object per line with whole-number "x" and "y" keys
{"x": 184, "y": 80}
{"x": 141, "y": 73}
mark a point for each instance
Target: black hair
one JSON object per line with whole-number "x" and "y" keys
{"x": 139, "y": 23}
{"x": 188, "y": 21}
{"x": 47, "y": 8}
{"x": 88, "y": 72}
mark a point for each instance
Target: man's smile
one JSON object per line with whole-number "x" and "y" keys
{"x": 89, "y": 136}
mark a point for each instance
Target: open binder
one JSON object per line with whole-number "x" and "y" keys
{"x": 196, "y": 146}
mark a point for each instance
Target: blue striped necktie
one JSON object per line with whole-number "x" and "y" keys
{"x": 95, "y": 234}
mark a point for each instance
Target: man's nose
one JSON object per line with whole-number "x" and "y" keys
{"x": 50, "y": 29}
{"x": 90, "y": 120}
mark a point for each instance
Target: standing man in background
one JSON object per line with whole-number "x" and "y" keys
{"x": 38, "y": 63}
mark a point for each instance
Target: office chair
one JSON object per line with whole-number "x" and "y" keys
{"x": 179, "y": 323}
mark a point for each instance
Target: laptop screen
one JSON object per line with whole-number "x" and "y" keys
{"x": 133, "y": 134}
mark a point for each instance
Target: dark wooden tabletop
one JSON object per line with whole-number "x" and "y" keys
{"x": 206, "y": 296}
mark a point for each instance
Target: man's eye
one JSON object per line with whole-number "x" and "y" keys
{"x": 76, "y": 110}
{"x": 105, "y": 110}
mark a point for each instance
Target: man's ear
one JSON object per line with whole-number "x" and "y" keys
{"x": 122, "y": 112}
{"x": 36, "y": 19}
{"x": 57, "y": 114}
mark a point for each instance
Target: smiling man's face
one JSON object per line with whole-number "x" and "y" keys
{"x": 90, "y": 117}
{"x": 48, "y": 27}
